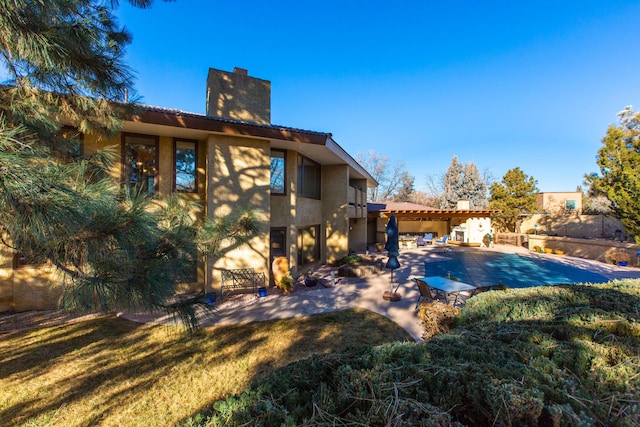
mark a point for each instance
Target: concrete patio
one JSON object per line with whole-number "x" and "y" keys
{"x": 367, "y": 293}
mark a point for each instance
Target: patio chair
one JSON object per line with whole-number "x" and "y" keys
{"x": 444, "y": 239}
{"x": 426, "y": 294}
{"x": 420, "y": 241}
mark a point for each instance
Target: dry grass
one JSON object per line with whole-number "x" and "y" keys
{"x": 109, "y": 371}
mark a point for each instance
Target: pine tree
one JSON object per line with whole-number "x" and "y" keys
{"x": 514, "y": 196}
{"x": 114, "y": 249}
{"x": 619, "y": 162}
{"x": 453, "y": 185}
{"x": 474, "y": 187}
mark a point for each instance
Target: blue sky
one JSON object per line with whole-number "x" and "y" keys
{"x": 532, "y": 84}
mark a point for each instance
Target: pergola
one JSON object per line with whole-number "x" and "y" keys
{"x": 407, "y": 213}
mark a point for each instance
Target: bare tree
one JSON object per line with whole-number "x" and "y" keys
{"x": 389, "y": 177}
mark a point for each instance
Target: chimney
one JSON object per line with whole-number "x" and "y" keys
{"x": 238, "y": 96}
{"x": 463, "y": 205}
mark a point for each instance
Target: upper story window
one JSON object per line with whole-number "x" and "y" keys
{"x": 140, "y": 162}
{"x": 185, "y": 161}
{"x": 278, "y": 161}
{"x": 308, "y": 178}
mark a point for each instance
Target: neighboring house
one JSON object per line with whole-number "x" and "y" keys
{"x": 560, "y": 214}
{"x": 568, "y": 202}
{"x": 310, "y": 193}
{"x": 462, "y": 225}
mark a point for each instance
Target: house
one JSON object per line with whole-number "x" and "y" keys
{"x": 310, "y": 193}
{"x": 560, "y": 202}
{"x": 560, "y": 213}
{"x": 463, "y": 225}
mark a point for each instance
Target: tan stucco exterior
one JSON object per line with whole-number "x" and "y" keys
{"x": 596, "y": 249}
{"x": 236, "y": 95}
{"x": 233, "y": 173}
{"x": 238, "y": 178}
{"x": 560, "y": 201}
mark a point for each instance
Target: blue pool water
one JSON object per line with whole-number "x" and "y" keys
{"x": 515, "y": 271}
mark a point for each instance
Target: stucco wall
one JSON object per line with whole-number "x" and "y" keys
{"x": 237, "y": 95}
{"x": 421, "y": 227}
{"x": 6, "y": 279}
{"x": 27, "y": 287}
{"x": 596, "y": 249}
{"x": 335, "y": 212}
{"x": 554, "y": 202}
{"x": 238, "y": 178}
{"x": 572, "y": 225}
{"x": 35, "y": 288}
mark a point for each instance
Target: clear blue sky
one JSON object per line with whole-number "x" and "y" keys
{"x": 532, "y": 84}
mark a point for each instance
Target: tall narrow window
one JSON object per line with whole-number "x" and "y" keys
{"x": 185, "y": 159}
{"x": 278, "y": 161}
{"x": 278, "y": 242}
{"x": 308, "y": 245}
{"x": 140, "y": 162}
{"x": 308, "y": 178}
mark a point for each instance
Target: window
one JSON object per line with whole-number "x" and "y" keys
{"x": 22, "y": 260}
{"x": 185, "y": 160}
{"x": 278, "y": 242}
{"x": 190, "y": 272}
{"x": 140, "y": 162}
{"x": 308, "y": 178}
{"x": 570, "y": 205}
{"x": 68, "y": 143}
{"x": 308, "y": 245}
{"x": 277, "y": 172}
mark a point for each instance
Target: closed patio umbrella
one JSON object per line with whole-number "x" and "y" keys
{"x": 392, "y": 246}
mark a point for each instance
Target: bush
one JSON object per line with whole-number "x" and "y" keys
{"x": 551, "y": 355}
{"x": 437, "y": 317}
{"x": 286, "y": 283}
{"x": 349, "y": 259}
{"x": 619, "y": 256}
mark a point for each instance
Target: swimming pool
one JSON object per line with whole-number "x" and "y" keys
{"x": 513, "y": 270}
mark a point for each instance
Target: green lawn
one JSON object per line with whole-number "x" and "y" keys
{"x": 110, "y": 371}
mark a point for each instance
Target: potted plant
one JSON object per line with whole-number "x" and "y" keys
{"x": 548, "y": 250}
{"x": 620, "y": 258}
{"x": 558, "y": 252}
{"x": 286, "y": 283}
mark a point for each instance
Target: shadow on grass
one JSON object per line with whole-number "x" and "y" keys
{"x": 97, "y": 370}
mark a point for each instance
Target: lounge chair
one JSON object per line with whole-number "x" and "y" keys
{"x": 420, "y": 241}
{"x": 444, "y": 239}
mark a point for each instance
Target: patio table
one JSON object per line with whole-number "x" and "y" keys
{"x": 447, "y": 286}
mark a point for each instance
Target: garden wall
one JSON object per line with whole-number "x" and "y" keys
{"x": 574, "y": 225}
{"x": 597, "y": 249}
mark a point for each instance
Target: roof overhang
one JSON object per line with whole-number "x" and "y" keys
{"x": 429, "y": 214}
{"x": 318, "y": 146}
